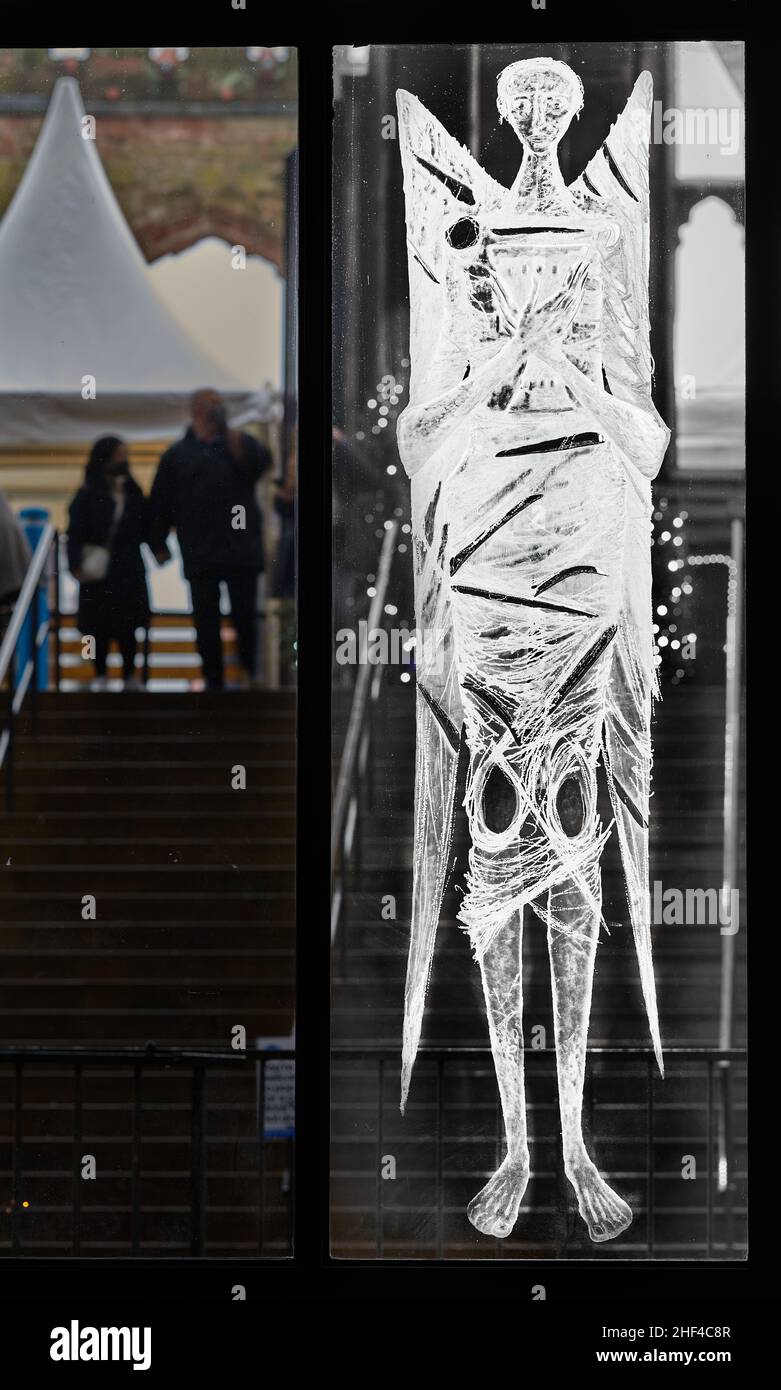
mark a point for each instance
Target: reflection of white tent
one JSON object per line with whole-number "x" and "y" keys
{"x": 76, "y": 300}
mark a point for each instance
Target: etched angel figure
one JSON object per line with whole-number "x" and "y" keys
{"x": 531, "y": 440}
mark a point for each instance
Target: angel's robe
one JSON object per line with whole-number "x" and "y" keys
{"x": 532, "y": 547}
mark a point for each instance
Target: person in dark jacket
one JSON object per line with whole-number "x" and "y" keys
{"x": 284, "y": 579}
{"x": 110, "y": 511}
{"x": 15, "y": 556}
{"x": 205, "y": 488}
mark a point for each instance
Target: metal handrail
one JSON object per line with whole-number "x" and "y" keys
{"x": 344, "y": 812}
{"x": 26, "y": 597}
{"x": 28, "y": 602}
{"x": 733, "y": 562}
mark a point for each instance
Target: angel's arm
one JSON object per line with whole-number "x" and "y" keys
{"x": 421, "y": 429}
{"x": 638, "y": 433}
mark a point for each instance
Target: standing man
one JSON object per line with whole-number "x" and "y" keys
{"x": 205, "y": 488}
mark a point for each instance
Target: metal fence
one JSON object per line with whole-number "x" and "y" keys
{"x": 136, "y": 1062}
{"x": 715, "y": 1068}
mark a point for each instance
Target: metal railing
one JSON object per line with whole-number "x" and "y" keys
{"x": 19, "y": 682}
{"x": 354, "y": 784}
{"x": 733, "y": 563}
{"x": 47, "y": 564}
{"x": 714, "y": 1060}
{"x": 138, "y": 1059}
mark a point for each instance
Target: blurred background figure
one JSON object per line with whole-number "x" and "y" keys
{"x": 14, "y": 559}
{"x": 205, "y": 488}
{"x": 284, "y": 579}
{"x": 283, "y": 585}
{"x": 108, "y": 524}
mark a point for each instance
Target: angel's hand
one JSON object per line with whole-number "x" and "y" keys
{"x": 544, "y": 326}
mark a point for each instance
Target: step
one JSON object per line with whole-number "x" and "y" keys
{"x": 272, "y": 746}
{"x": 104, "y": 1026}
{"x": 103, "y": 878}
{"x": 216, "y": 773}
{"x": 76, "y": 677}
{"x": 68, "y": 963}
{"x": 149, "y": 827}
{"x": 162, "y": 800}
{"x": 136, "y": 994}
{"x": 158, "y": 621}
{"x": 239, "y": 701}
{"x": 180, "y": 639}
{"x": 104, "y": 721}
{"x": 243, "y": 906}
{"x": 271, "y": 933}
{"x": 51, "y": 854}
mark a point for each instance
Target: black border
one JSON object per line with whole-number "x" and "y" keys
{"x": 312, "y": 1276}
{"x": 635, "y": 1282}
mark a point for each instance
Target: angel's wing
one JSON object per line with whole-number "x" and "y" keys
{"x": 627, "y": 744}
{"x": 441, "y": 180}
{"x": 615, "y": 182}
{"x": 439, "y": 744}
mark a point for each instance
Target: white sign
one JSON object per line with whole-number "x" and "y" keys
{"x": 279, "y": 1100}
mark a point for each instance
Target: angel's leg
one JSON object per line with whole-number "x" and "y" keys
{"x": 494, "y": 1210}
{"x": 573, "y": 928}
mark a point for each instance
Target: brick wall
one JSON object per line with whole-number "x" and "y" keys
{"x": 179, "y": 179}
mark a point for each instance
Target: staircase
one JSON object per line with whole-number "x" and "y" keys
{"x": 173, "y": 659}
{"x": 450, "y": 1139}
{"x": 127, "y": 799}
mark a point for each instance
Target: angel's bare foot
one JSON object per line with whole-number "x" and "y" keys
{"x": 604, "y": 1212}
{"x": 494, "y": 1210}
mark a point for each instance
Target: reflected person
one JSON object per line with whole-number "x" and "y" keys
{"x": 205, "y": 489}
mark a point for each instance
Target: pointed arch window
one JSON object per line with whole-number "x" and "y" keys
{"x": 706, "y": 128}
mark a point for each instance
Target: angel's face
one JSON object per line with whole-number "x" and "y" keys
{"x": 539, "y": 107}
